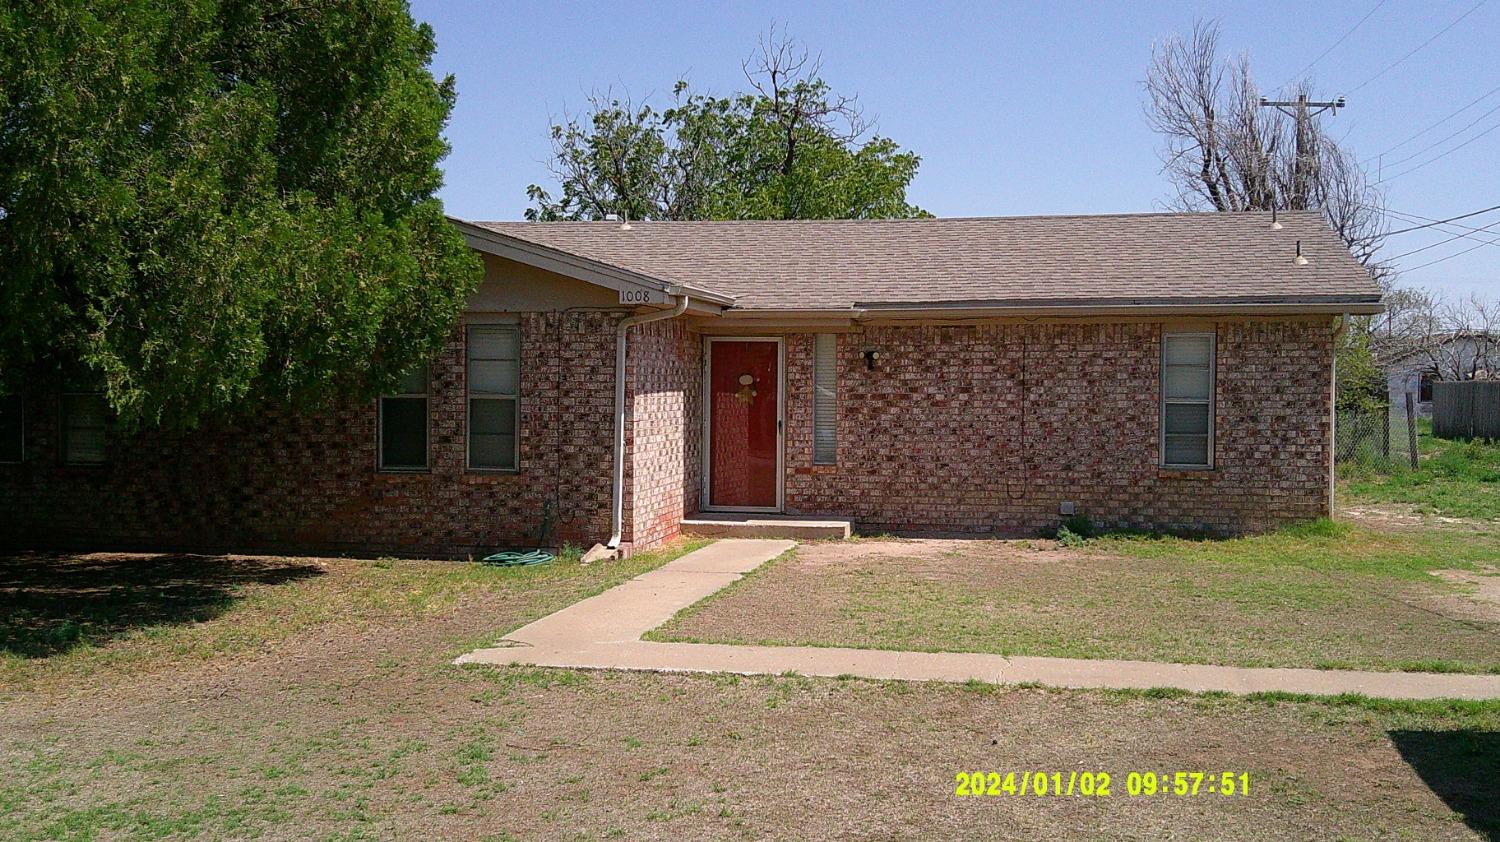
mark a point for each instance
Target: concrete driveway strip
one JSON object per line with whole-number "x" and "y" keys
{"x": 604, "y": 631}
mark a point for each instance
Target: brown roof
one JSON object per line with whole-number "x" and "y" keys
{"x": 1157, "y": 258}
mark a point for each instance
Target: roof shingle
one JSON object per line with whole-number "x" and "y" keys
{"x": 837, "y": 264}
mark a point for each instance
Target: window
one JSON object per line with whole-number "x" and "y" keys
{"x": 825, "y": 397}
{"x": 12, "y": 435}
{"x": 403, "y": 424}
{"x": 1187, "y": 388}
{"x": 494, "y": 375}
{"x": 85, "y": 416}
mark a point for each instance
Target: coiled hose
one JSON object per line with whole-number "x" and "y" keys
{"x": 518, "y": 558}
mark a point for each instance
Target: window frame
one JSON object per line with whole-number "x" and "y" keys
{"x": 20, "y": 429}
{"x": 62, "y": 420}
{"x": 832, "y": 405}
{"x": 426, "y": 396}
{"x": 1211, "y": 402}
{"x": 514, "y": 326}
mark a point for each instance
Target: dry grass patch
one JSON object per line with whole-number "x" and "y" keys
{"x": 1325, "y": 596}
{"x": 482, "y": 753}
{"x": 68, "y": 617}
{"x": 357, "y": 726}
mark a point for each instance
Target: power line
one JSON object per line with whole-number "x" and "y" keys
{"x": 1449, "y": 257}
{"x": 1437, "y": 143}
{"x": 1439, "y": 157}
{"x": 1324, "y": 54}
{"x": 1393, "y": 65}
{"x": 1485, "y": 229}
{"x": 1463, "y": 231}
{"x": 1491, "y": 92}
{"x": 1432, "y": 222}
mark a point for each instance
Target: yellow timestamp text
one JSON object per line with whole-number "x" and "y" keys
{"x": 1101, "y": 784}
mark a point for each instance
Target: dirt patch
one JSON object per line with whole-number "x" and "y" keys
{"x": 1405, "y": 516}
{"x": 1481, "y": 597}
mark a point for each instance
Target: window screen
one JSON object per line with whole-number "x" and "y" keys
{"x": 12, "y": 444}
{"x": 403, "y": 424}
{"x": 85, "y": 417}
{"x": 1187, "y": 389}
{"x": 825, "y": 398}
{"x": 494, "y": 375}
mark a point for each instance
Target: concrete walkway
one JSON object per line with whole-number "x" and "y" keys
{"x": 604, "y": 631}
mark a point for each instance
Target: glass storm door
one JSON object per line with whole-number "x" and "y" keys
{"x": 744, "y": 414}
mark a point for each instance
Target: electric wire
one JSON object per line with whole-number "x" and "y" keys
{"x": 1437, "y": 158}
{"x": 1324, "y": 54}
{"x": 1431, "y": 222}
{"x": 1483, "y": 230}
{"x": 1473, "y": 102}
{"x": 1398, "y": 62}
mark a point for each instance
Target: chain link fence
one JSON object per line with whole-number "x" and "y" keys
{"x": 1378, "y": 439}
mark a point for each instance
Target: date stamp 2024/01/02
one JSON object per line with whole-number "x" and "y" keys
{"x": 1166, "y": 784}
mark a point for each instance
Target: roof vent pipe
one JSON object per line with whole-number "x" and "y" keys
{"x": 1300, "y": 260}
{"x": 1275, "y": 226}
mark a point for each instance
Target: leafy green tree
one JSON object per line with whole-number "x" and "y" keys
{"x": 213, "y": 204}
{"x": 788, "y": 148}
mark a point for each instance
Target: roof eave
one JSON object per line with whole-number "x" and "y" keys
{"x": 939, "y": 311}
{"x": 574, "y": 266}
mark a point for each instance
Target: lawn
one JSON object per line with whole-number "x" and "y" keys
{"x": 68, "y": 617}
{"x": 1324, "y": 596}
{"x": 1453, "y": 478}
{"x": 315, "y": 698}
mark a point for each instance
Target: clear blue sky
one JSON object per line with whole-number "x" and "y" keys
{"x": 1015, "y": 108}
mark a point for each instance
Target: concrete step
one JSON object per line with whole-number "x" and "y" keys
{"x": 766, "y": 526}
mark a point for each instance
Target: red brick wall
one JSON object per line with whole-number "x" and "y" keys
{"x": 663, "y": 435}
{"x": 938, "y": 437}
{"x": 308, "y": 483}
{"x": 932, "y": 439}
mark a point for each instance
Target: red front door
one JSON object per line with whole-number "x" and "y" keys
{"x": 743, "y": 448}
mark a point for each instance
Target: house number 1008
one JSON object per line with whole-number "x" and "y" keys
{"x": 636, "y": 296}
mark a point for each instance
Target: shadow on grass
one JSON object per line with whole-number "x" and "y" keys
{"x": 1080, "y": 528}
{"x": 50, "y": 603}
{"x": 1461, "y": 767}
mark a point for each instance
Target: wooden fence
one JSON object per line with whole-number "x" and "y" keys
{"x": 1466, "y": 410}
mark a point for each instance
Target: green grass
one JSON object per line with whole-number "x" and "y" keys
{"x": 1322, "y": 546}
{"x": 1321, "y": 595}
{"x": 70, "y": 617}
{"x": 1452, "y": 478}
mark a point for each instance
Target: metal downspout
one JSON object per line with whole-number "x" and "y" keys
{"x": 617, "y": 521}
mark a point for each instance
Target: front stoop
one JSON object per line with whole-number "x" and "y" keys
{"x": 721, "y": 525}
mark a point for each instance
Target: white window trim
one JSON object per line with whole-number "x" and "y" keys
{"x": 427, "y": 422}
{"x": 1213, "y": 397}
{"x": 469, "y": 398}
{"x": 20, "y": 431}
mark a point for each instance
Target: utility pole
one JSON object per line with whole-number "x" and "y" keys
{"x": 1303, "y": 112}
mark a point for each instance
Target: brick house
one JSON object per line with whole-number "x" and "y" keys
{"x": 957, "y": 375}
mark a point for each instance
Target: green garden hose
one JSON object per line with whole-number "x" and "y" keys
{"x": 518, "y": 558}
